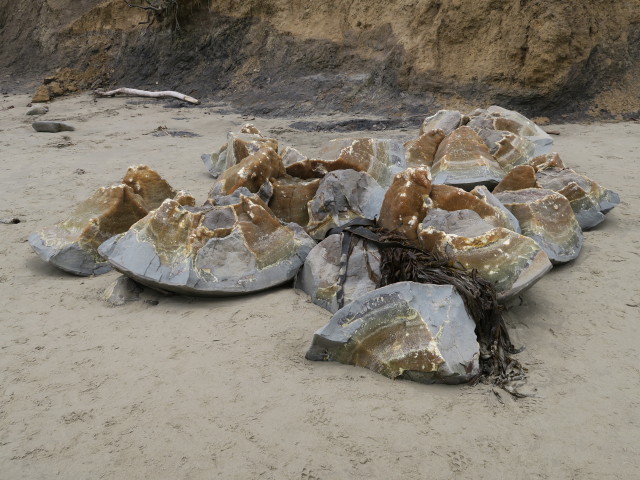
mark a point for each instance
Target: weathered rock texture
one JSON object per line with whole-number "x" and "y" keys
{"x": 342, "y": 196}
{"x": 463, "y": 160}
{"x": 72, "y": 245}
{"x": 546, "y": 217}
{"x": 589, "y": 201}
{"x": 557, "y": 56}
{"x": 420, "y": 332}
{"x": 211, "y": 250}
{"x": 321, "y": 270}
{"x": 238, "y": 147}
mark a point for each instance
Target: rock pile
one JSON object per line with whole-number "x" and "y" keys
{"x": 481, "y": 192}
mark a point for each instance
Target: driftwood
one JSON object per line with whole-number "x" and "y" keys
{"x": 145, "y": 93}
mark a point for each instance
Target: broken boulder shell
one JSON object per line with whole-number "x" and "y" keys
{"x": 380, "y": 158}
{"x": 253, "y": 172}
{"x": 72, "y": 245}
{"x": 238, "y": 147}
{"x": 421, "y": 151}
{"x": 546, "y": 217}
{"x": 509, "y": 149}
{"x": 319, "y": 276}
{"x": 406, "y": 202}
{"x": 522, "y": 176}
{"x": 589, "y": 201}
{"x": 420, "y": 332}
{"x": 445, "y": 120}
{"x": 463, "y": 160}
{"x": 290, "y": 198}
{"x": 512, "y": 262}
{"x": 342, "y": 196}
{"x": 210, "y": 250}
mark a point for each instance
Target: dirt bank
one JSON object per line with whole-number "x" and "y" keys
{"x": 550, "y": 58}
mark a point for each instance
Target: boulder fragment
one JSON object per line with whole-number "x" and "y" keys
{"x": 342, "y": 196}
{"x": 522, "y": 176}
{"x": 512, "y": 262}
{"x": 420, "y": 332}
{"x": 72, "y": 245}
{"x": 445, "y": 120}
{"x": 121, "y": 291}
{"x": 211, "y": 250}
{"x": 421, "y": 151}
{"x": 319, "y": 276}
{"x": 546, "y": 217}
{"x": 589, "y": 201}
{"x": 547, "y": 160}
{"x": 509, "y": 149}
{"x": 290, "y": 198}
{"x": 463, "y": 160}
{"x": 253, "y": 172}
{"x": 238, "y": 147}
{"x": 380, "y": 158}
{"x": 38, "y": 110}
{"x": 406, "y": 202}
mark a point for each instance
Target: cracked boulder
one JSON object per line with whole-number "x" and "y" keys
{"x": 319, "y": 276}
{"x": 546, "y": 217}
{"x": 421, "y": 151}
{"x": 463, "y": 160}
{"x": 589, "y": 201}
{"x": 445, "y": 120}
{"x": 252, "y": 173}
{"x": 512, "y": 262}
{"x": 72, "y": 245}
{"x": 342, "y": 196}
{"x": 238, "y": 147}
{"x": 419, "y": 332}
{"x": 214, "y": 250}
{"x": 522, "y": 176}
{"x": 406, "y": 202}
{"x": 380, "y": 158}
{"x": 290, "y": 198}
{"x": 509, "y": 149}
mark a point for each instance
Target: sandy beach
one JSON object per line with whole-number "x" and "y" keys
{"x": 195, "y": 388}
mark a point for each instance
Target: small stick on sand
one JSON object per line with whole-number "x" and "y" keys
{"x": 145, "y": 93}
{"x": 552, "y": 132}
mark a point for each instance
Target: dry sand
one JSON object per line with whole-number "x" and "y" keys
{"x": 219, "y": 388}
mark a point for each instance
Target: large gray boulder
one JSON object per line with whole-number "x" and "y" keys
{"x": 420, "y": 332}
{"x": 214, "y": 250}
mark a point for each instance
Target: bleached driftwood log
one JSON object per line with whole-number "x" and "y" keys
{"x": 145, "y": 93}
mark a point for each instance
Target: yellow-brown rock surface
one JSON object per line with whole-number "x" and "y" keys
{"x": 290, "y": 198}
{"x": 421, "y": 151}
{"x": 522, "y": 176}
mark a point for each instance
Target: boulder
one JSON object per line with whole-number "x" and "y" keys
{"x": 421, "y": 151}
{"x": 463, "y": 160}
{"x": 148, "y": 183}
{"x": 547, "y": 160}
{"x": 380, "y": 158}
{"x": 52, "y": 127}
{"x": 445, "y": 120}
{"x": 522, "y": 176}
{"x": 498, "y": 118}
{"x": 342, "y": 196}
{"x": 486, "y": 205}
{"x": 466, "y": 223}
{"x": 213, "y": 250}
{"x": 420, "y": 332}
{"x": 512, "y": 262}
{"x": 546, "y": 217}
{"x": 72, "y": 245}
{"x": 238, "y": 147}
{"x": 252, "y": 173}
{"x": 290, "y": 198}
{"x": 319, "y": 276}
{"x": 507, "y": 148}
{"x": 589, "y": 201}
{"x": 121, "y": 291}
{"x": 406, "y": 202}
{"x": 291, "y": 155}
